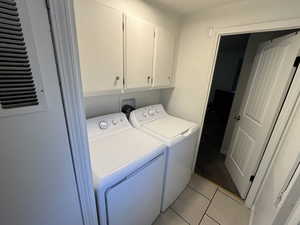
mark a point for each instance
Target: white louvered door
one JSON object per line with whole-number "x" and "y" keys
{"x": 272, "y": 73}
{"x": 38, "y": 185}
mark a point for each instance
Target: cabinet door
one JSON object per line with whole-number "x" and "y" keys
{"x": 100, "y": 40}
{"x": 164, "y": 56}
{"x": 139, "y": 53}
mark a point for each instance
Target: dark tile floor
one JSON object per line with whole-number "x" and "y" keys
{"x": 210, "y": 162}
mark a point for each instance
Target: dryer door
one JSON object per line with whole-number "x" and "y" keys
{"x": 137, "y": 199}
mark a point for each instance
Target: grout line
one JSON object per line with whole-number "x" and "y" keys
{"x": 208, "y": 206}
{"x": 212, "y": 219}
{"x": 234, "y": 194}
{"x": 179, "y": 216}
{"x": 198, "y": 192}
{"x": 207, "y": 179}
{"x": 219, "y": 186}
{"x": 232, "y": 198}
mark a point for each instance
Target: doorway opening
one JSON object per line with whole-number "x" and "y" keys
{"x": 229, "y": 91}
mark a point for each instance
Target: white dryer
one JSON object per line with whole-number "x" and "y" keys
{"x": 128, "y": 168}
{"x": 181, "y": 138}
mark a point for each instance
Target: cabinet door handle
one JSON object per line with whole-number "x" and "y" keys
{"x": 116, "y": 80}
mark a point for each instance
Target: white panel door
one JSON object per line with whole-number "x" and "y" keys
{"x": 164, "y": 55}
{"x": 265, "y": 93}
{"x": 139, "y": 47}
{"x": 100, "y": 41}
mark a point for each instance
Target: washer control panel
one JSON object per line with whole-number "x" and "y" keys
{"x": 106, "y": 124}
{"x": 147, "y": 114}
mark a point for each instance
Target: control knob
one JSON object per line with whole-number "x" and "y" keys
{"x": 151, "y": 112}
{"x": 103, "y": 125}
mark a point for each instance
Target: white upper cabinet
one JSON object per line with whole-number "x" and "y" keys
{"x": 100, "y": 41}
{"x": 164, "y": 56}
{"x": 139, "y": 50}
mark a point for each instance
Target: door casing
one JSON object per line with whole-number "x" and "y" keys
{"x": 273, "y": 58}
{"x": 216, "y": 34}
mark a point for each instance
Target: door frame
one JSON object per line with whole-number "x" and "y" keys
{"x": 62, "y": 21}
{"x": 216, "y": 33}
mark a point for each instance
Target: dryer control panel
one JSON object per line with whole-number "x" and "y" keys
{"x": 106, "y": 124}
{"x": 147, "y": 114}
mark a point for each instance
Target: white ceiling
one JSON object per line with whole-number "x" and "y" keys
{"x": 189, "y": 6}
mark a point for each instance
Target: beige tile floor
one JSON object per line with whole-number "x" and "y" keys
{"x": 205, "y": 203}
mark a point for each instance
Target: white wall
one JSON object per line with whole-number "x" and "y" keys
{"x": 196, "y": 49}
{"x": 144, "y": 10}
{"x": 101, "y": 105}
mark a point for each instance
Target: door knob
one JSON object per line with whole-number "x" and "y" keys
{"x": 237, "y": 118}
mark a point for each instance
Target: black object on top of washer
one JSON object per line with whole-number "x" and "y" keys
{"x": 127, "y": 109}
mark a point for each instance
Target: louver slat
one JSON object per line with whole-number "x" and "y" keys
{"x": 19, "y": 60}
{"x": 8, "y": 2}
{"x": 9, "y": 22}
{"x": 15, "y": 68}
{"x": 11, "y": 31}
{"x": 14, "y": 64}
{"x": 11, "y": 37}
{"x": 7, "y": 6}
{"x": 7, "y": 91}
{"x": 17, "y": 87}
{"x": 9, "y": 50}
{"x": 12, "y": 46}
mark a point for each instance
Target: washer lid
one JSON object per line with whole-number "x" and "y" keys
{"x": 170, "y": 127}
{"x": 120, "y": 151}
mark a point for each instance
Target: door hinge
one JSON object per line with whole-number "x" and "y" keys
{"x": 279, "y": 198}
{"x": 124, "y": 82}
{"x": 47, "y": 4}
{"x": 252, "y": 178}
{"x": 123, "y": 26}
{"x": 154, "y": 34}
{"x": 297, "y": 61}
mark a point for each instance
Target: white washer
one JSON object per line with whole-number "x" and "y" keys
{"x": 181, "y": 138}
{"x": 128, "y": 168}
